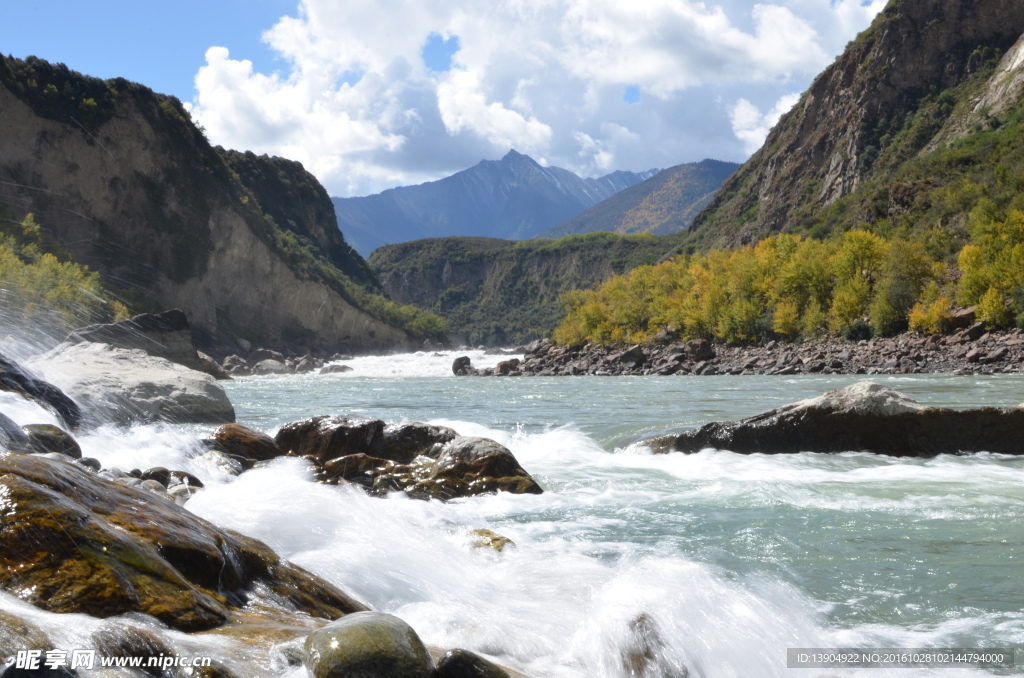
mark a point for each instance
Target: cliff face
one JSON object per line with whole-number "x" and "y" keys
{"x": 123, "y": 179}
{"x": 298, "y": 203}
{"x": 664, "y": 204}
{"x": 498, "y": 292}
{"x": 846, "y": 128}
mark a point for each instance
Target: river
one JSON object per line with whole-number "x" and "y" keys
{"x": 724, "y": 560}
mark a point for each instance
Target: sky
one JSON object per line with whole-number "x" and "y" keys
{"x": 371, "y": 95}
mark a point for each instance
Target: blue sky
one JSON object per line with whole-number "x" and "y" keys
{"x": 160, "y": 44}
{"x": 370, "y": 94}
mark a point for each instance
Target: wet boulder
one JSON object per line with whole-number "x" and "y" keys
{"x": 356, "y": 468}
{"x": 861, "y": 417}
{"x": 15, "y": 379}
{"x": 164, "y": 335}
{"x": 367, "y": 645}
{"x": 72, "y": 541}
{"x": 465, "y": 664}
{"x": 12, "y": 436}
{"x": 473, "y": 465}
{"x": 329, "y": 437}
{"x": 336, "y": 368}
{"x": 406, "y": 441}
{"x": 507, "y": 366}
{"x": 270, "y": 366}
{"x": 125, "y": 386}
{"x": 43, "y": 438}
{"x": 462, "y": 366}
{"x": 242, "y": 441}
{"x": 17, "y": 634}
{"x": 466, "y": 466}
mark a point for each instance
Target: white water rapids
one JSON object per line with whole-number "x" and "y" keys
{"x": 727, "y": 559}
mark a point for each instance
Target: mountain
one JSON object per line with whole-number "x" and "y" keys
{"x": 498, "y": 292}
{"x": 122, "y": 179}
{"x": 514, "y": 198}
{"x": 666, "y": 203}
{"x": 885, "y": 133}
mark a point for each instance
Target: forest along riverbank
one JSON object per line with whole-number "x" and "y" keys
{"x": 970, "y": 351}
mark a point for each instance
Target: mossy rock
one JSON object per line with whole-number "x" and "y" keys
{"x": 465, "y": 664}
{"x": 43, "y": 438}
{"x": 71, "y": 541}
{"x": 368, "y": 645}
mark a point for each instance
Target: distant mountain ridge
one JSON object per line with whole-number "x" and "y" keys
{"x": 664, "y": 204}
{"x": 514, "y": 198}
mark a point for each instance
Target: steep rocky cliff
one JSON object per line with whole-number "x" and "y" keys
{"x": 664, "y": 204}
{"x": 905, "y": 86}
{"x": 121, "y": 177}
{"x": 498, "y": 292}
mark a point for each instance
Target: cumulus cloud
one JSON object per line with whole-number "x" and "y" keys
{"x": 751, "y": 126}
{"x": 590, "y": 85}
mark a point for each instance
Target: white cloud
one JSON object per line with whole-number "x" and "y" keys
{"x": 356, "y": 104}
{"x": 751, "y": 126}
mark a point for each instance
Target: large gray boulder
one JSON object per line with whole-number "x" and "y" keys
{"x": 367, "y": 645}
{"x": 861, "y": 417}
{"x": 165, "y": 335}
{"x": 124, "y": 386}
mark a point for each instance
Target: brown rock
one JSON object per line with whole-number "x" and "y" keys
{"x": 356, "y": 467}
{"x": 506, "y": 366}
{"x": 461, "y": 366}
{"x": 404, "y": 442}
{"x": 242, "y": 441}
{"x": 700, "y": 350}
{"x": 329, "y": 437}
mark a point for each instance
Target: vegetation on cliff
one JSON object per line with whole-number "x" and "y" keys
{"x": 139, "y": 193}
{"x": 42, "y": 287}
{"x": 896, "y": 183}
{"x": 502, "y": 292}
{"x": 888, "y": 134}
{"x": 788, "y": 286}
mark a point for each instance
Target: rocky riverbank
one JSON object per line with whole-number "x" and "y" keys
{"x": 123, "y": 548}
{"x": 970, "y": 351}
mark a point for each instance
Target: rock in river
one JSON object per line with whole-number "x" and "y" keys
{"x": 123, "y": 386}
{"x": 71, "y": 541}
{"x": 15, "y": 379}
{"x": 861, "y": 417}
{"x": 367, "y": 645}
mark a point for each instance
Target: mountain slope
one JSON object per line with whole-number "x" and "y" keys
{"x": 666, "y": 203}
{"x": 498, "y": 292}
{"x": 902, "y": 88}
{"x": 513, "y": 198}
{"x": 122, "y": 179}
